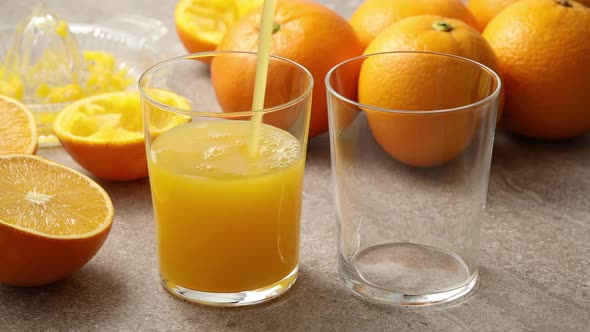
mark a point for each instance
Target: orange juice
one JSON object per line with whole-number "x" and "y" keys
{"x": 226, "y": 223}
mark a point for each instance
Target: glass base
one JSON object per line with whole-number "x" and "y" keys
{"x": 234, "y": 299}
{"x": 407, "y": 274}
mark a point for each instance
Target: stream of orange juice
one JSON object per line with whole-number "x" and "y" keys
{"x": 262, "y": 60}
{"x": 226, "y": 224}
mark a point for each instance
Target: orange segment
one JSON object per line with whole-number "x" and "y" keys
{"x": 18, "y": 129}
{"x": 53, "y": 220}
{"x": 104, "y": 133}
{"x": 201, "y": 24}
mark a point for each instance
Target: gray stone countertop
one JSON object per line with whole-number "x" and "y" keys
{"x": 535, "y": 263}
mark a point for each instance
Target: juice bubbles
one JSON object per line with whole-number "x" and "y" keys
{"x": 225, "y": 222}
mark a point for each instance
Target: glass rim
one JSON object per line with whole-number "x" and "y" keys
{"x": 485, "y": 68}
{"x": 211, "y": 54}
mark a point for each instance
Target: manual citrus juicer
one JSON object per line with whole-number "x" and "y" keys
{"x": 44, "y": 51}
{"x": 50, "y": 63}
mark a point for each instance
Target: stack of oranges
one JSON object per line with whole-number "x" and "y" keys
{"x": 538, "y": 47}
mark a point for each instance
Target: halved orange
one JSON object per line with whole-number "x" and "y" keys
{"x": 18, "y": 129}
{"x": 53, "y": 220}
{"x": 104, "y": 133}
{"x": 201, "y": 24}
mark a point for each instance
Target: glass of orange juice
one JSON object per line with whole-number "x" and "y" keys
{"x": 227, "y": 184}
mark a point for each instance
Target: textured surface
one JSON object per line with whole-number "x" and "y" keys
{"x": 535, "y": 267}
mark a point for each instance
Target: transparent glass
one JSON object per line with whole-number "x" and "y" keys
{"x": 227, "y": 202}
{"x": 410, "y": 184}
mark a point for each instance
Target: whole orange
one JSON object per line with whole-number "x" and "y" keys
{"x": 373, "y": 16}
{"x": 543, "y": 48}
{"x": 405, "y": 82}
{"x": 304, "y": 31}
{"x": 485, "y": 10}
